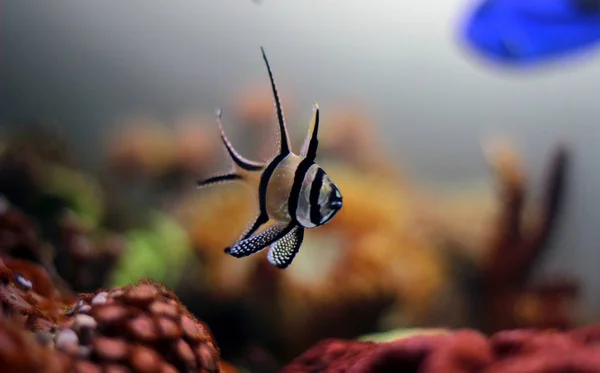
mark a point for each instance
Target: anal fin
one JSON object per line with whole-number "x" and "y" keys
{"x": 259, "y": 241}
{"x": 282, "y": 252}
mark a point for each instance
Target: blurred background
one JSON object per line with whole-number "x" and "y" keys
{"x": 107, "y": 112}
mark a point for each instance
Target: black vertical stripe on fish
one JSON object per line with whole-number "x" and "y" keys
{"x": 263, "y": 217}
{"x": 260, "y": 241}
{"x": 218, "y": 179}
{"x": 284, "y": 146}
{"x": 238, "y": 161}
{"x": 314, "y": 140}
{"x": 315, "y": 209}
{"x": 299, "y": 176}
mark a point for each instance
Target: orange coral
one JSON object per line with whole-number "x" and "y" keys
{"x": 143, "y": 145}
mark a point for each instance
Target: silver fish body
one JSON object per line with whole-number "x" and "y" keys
{"x": 293, "y": 191}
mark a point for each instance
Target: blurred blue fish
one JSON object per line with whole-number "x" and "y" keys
{"x": 527, "y": 32}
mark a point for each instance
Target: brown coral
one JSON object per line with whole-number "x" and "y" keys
{"x": 85, "y": 260}
{"x": 515, "y": 247}
{"x": 138, "y": 328}
{"x": 27, "y": 294}
{"x": 21, "y": 352}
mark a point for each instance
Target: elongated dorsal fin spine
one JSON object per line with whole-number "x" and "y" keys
{"x": 284, "y": 146}
{"x": 238, "y": 160}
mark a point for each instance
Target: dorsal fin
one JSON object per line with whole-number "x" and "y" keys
{"x": 240, "y": 168}
{"x": 311, "y": 142}
{"x": 238, "y": 159}
{"x": 284, "y": 143}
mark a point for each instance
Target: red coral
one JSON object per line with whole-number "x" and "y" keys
{"x": 464, "y": 351}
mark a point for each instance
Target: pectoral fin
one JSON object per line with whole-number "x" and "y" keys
{"x": 259, "y": 241}
{"x": 258, "y": 221}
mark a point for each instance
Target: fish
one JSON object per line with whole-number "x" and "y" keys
{"x": 294, "y": 192}
{"x": 530, "y": 32}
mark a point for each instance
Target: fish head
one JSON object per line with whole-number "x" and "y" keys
{"x": 330, "y": 200}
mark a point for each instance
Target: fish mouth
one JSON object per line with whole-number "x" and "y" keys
{"x": 336, "y": 204}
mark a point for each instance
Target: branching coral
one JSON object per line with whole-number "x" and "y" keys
{"x": 515, "y": 248}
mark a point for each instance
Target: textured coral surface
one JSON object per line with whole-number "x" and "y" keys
{"x": 137, "y": 328}
{"x": 463, "y": 351}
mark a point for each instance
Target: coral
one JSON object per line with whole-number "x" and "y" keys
{"x": 138, "y": 328}
{"x": 87, "y": 256}
{"x": 142, "y": 146}
{"x": 51, "y": 214}
{"x": 21, "y": 352}
{"x": 80, "y": 192}
{"x": 18, "y": 235}
{"x": 460, "y": 351}
{"x": 147, "y": 148}
{"x": 157, "y": 252}
{"x": 350, "y": 136}
{"x": 195, "y": 145}
{"x": 495, "y": 243}
{"x": 214, "y": 219}
{"x": 373, "y": 237}
{"x": 516, "y": 247}
{"x": 395, "y": 269}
